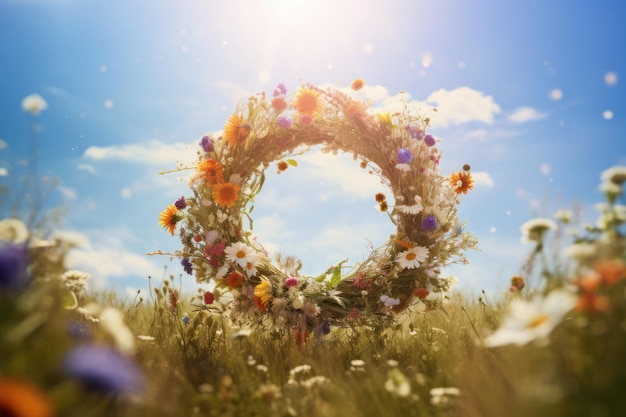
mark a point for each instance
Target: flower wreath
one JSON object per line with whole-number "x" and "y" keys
{"x": 230, "y": 172}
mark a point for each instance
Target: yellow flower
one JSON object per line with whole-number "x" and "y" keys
{"x": 212, "y": 171}
{"x": 23, "y": 400}
{"x": 384, "y": 118}
{"x": 169, "y": 217}
{"x": 226, "y": 194}
{"x": 307, "y": 101}
{"x": 264, "y": 291}
{"x": 235, "y": 131}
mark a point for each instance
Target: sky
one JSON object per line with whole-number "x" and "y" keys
{"x": 530, "y": 94}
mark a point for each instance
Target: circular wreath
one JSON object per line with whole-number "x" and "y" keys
{"x": 230, "y": 172}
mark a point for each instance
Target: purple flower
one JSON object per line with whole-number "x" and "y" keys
{"x": 322, "y": 329}
{"x": 284, "y": 122}
{"x": 180, "y": 203}
{"x": 13, "y": 267}
{"x": 429, "y": 140}
{"x": 206, "y": 143}
{"x": 280, "y": 90}
{"x": 429, "y": 223}
{"x": 102, "y": 368}
{"x": 187, "y": 266}
{"x": 414, "y": 131}
{"x": 404, "y": 156}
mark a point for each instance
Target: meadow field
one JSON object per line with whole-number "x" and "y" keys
{"x": 553, "y": 348}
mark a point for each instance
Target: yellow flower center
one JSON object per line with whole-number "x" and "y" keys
{"x": 410, "y": 256}
{"x": 241, "y": 254}
{"x": 537, "y": 321}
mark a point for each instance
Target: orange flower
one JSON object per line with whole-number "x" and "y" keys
{"x": 461, "y": 181}
{"x": 611, "y": 271}
{"x": 282, "y": 166}
{"x": 225, "y": 194}
{"x": 380, "y": 197}
{"x": 307, "y": 101}
{"x": 233, "y": 280}
{"x": 258, "y": 303}
{"x": 357, "y": 84}
{"x": 405, "y": 244}
{"x": 421, "y": 293}
{"x": 212, "y": 171}
{"x": 23, "y": 400}
{"x": 169, "y": 217}
{"x": 235, "y": 131}
{"x": 279, "y": 104}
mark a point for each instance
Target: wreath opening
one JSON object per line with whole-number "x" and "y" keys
{"x": 214, "y": 222}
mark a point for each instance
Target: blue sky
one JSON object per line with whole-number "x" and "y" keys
{"x": 531, "y": 94}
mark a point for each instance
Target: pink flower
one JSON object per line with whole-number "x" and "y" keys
{"x": 291, "y": 282}
{"x": 306, "y": 119}
{"x": 209, "y": 297}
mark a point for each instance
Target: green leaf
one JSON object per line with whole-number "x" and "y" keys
{"x": 335, "y": 279}
{"x": 292, "y": 162}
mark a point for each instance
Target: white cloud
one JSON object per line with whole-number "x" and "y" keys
{"x": 525, "y": 114}
{"x": 87, "y": 167}
{"x": 68, "y": 193}
{"x": 105, "y": 255}
{"x": 482, "y": 179}
{"x": 152, "y": 152}
{"x": 4, "y": 172}
{"x": 462, "y": 105}
{"x": 126, "y": 193}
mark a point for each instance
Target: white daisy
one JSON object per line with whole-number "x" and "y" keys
{"x": 414, "y": 209}
{"x": 241, "y": 254}
{"x": 412, "y": 258}
{"x": 616, "y": 174}
{"x": 534, "y": 319}
{"x": 534, "y": 229}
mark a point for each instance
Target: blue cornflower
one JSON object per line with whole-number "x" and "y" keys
{"x": 13, "y": 267}
{"x": 102, "y": 368}
{"x": 206, "y": 143}
{"x": 404, "y": 156}
{"x": 430, "y": 223}
{"x": 180, "y": 203}
{"x": 185, "y": 319}
{"x": 429, "y": 140}
{"x": 187, "y": 265}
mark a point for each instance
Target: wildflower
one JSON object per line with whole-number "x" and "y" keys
{"x": 429, "y": 223}
{"x": 384, "y": 118}
{"x": 357, "y": 84}
{"x": 291, "y": 282}
{"x": 461, "y": 181}
{"x": 564, "y": 216}
{"x": 611, "y": 271}
{"x": 383, "y": 206}
{"x": 298, "y": 302}
{"x": 234, "y": 279}
{"x": 112, "y": 321}
{"x": 534, "y": 319}
{"x": 74, "y": 280}
{"x": 388, "y": 301}
{"x": 235, "y": 131}
{"x": 279, "y": 104}
{"x": 180, "y": 203}
{"x": 240, "y": 253}
{"x": 581, "y": 252}
{"x": 517, "y": 284}
{"x": 259, "y": 303}
{"x": 307, "y": 101}
{"x": 412, "y": 258}
{"x": 592, "y": 302}
{"x": 251, "y": 268}
{"x": 414, "y": 131}
{"x": 212, "y": 171}
{"x": 310, "y": 309}
{"x": 264, "y": 291}
{"x": 282, "y": 166}
{"x": 442, "y": 395}
{"x": 208, "y": 297}
{"x": 187, "y": 266}
{"x": 534, "y": 229}
{"x": 13, "y": 267}
{"x": 361, "y": 282}
{"x": 421, "y": 293}
{"x": 429, "y": 140}
{"x": 104, "y": 369}
{"x": 380, "y": 197}
{"x": 412, "y": 209}
{"x": 616, "y": 175}
{"x": 226, "y": 194}
{"x": 404, "y": 156}
{"x": 207, "y": 143}
{"x": 185, "y": 319}
{"x": 306, "y": 119}
{"x": 13, "y": 231}
{"x": 169, "y": 217}
{"x": 280, "y": 90}
{"x": 284, "y": 122}
{"x": 397, "y": 383}
{"x": 34, "y": 104}
{"x": 21, "y": 399}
